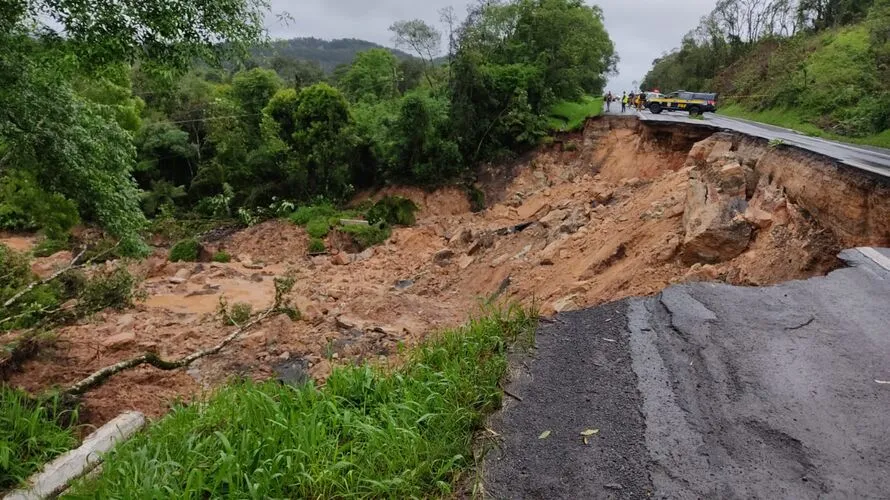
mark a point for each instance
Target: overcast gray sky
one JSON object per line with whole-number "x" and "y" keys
{"x": 641, "y": 29}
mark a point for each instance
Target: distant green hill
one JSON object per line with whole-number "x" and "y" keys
{"x": 327, "y": 53}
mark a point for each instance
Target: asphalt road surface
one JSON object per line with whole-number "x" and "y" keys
{"x": 708, "y": 391}
{"x": 867, "y": 158}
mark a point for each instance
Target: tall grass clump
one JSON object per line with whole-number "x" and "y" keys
{"x": 367, "y": 236}
{"x": 31, "y": 434}
{"x": 368, "y": 433}
{"x": 395, "y": 210}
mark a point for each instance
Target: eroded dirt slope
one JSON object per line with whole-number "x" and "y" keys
{"x": 621, "y": 210}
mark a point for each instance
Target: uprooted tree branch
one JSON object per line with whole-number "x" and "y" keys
{"x": 34, "y": 284}
{"x": 282, "y": 287}
{"x": 27, "y": 342}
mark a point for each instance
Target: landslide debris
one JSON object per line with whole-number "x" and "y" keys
{"x": 627, "y": 212}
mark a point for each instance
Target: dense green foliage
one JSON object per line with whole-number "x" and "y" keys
{"x": 17, "y": 275}
{"x": 368, "y": 433}
{"x": 113, "y": 288}
{"x": 111, "y": 130}
{"x": 66, "y": 132}
{"x": 514, "y": 60}
{"x": 31, "y": 434}
{"x": 316, "y": 246}
{"x": 222, "y": 257}
{"x": 186, "y": 250}
{"x": 41, "y": 305}
{"x": 394, "y": 210}
{"x": 569, "y": 116}
{"x": 823, "y": 63}
{"x": 320, "y": 220}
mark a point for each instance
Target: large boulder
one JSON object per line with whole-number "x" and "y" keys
{"x": 710, "y": 149}
{"x": 714, "y": 223}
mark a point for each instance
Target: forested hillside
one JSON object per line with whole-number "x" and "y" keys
{"x": 327, "y": 54}
{"x": 139, "y": 115}
{"x": 816, "y": 65}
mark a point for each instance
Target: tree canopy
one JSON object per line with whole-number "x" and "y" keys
{"x": 68, "y": 137}
{"x": 108, "y": 111}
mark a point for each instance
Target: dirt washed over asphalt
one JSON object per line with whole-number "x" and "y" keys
{"x": 776, "y": 392}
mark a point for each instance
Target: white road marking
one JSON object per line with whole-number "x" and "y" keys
{"x": 876, "y": 257}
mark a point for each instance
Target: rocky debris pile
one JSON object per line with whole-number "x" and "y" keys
{"x": 732, "y": 201}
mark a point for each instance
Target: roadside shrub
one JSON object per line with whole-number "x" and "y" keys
{"x": 49, "y": 246}
{"x": 103, "y": 250}
{"x": 318, "y": 228}
{"x": 239, "y": 314}
{"x": 368, "y": 236}
{"x": 31, "y": 434}
{"x": 72, "y": 283}
{"x": 15, "y": 275}
{"x": 25, "y": 206}
{"x": 317, "y": 246}
{"x": 477, "y": 199}
{"x": 106, "y": 289}
{"x": 393, "y": 210}
{"x": 186, "y": 250}
{"x": 222, "y": 257}
{"x": 16, "y": 272}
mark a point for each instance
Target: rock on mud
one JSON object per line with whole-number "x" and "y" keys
{"x": 180, "y": 277}
{"x": 119, "y": 341}
{"x": 443, "y": 257}
{"x": 716, "y": 230}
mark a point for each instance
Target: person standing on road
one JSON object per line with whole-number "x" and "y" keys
{"x": 608, "y": 100}
{"x": 624, "y": 102}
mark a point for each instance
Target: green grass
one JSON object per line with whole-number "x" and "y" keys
{"x": 368, "y": 236}
{"x": 304, "y": 215}
{"x": 222, "y": 257}
{"x": 794, "y": 119}
{"x": 318, "y": 228}
{"x": 394, "y": 210}
{"x": 316, "y": 246}
{"x": 368, "y": 433}
{"x": 31, "y": 434}
{"x": 568, "y": 116}
{"x": 320, "y": 219}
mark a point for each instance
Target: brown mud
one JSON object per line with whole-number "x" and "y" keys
{"x": 594, "y": 218}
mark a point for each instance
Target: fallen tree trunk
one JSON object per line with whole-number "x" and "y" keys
{"x": 98, "y": 377}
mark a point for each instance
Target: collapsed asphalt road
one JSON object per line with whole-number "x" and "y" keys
{"x": 707, "y": 391}
{"x": 870, "y": 159}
